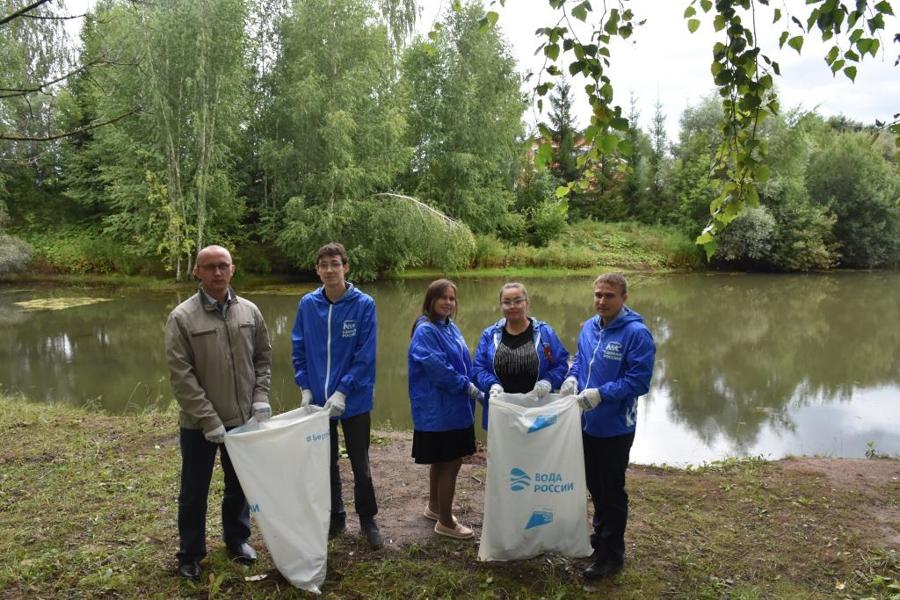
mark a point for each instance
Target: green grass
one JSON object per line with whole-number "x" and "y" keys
{"x": 589, "y": 245}
{"x": 88, "y": 503}
{"x": 83, "y": 257}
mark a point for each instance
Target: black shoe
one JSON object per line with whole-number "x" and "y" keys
{"x": 189, "y": 570}
{"x": 244, "y": 554}
{"x": 373, "y": 536}
{"x": 337, "y": 526}
{"x": 601, "y": 569}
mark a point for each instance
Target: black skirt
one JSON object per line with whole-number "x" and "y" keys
{"x": 431, "y": 447}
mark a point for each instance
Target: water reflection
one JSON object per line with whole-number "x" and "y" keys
{"x": 755, "y": 364}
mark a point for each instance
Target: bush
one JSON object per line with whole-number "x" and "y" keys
{"x": 79, "y": 250}
{"x": 382, "y": 235}
{"x": 748, "y": 239}
{"x": 853, "y": 181}
{"x": 14, "y": 254}
{"x": 547, "y": 220}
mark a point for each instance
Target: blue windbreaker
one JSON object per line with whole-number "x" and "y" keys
{"x": 439, "y": 372}
{"x": 334, "y": 348}
{"x": 553, "y": 358}
{"x": 617, "y": 360}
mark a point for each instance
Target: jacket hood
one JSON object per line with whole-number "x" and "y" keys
{"x": 352, "y": 292}
{"x": 537, "y": 323}
{"x": 625, "y": 316}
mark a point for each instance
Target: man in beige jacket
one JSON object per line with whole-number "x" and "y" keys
{"x": 219, "y": 357}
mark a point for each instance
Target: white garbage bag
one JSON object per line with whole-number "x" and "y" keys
{"x": 535, "y": 497}
{"x": 282, "y": 464}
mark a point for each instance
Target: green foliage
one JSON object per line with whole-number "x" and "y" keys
{"x": 14, "y": 254}
{"x": 465, "y": 111}
{"x": 590, "y": 245}
{"x": 748, "y": 240}
{"x": 563, "y": 133}
{"x": 853, "y": 181}
{"x": 162, "y": 180}
{"x": 79, "y": 250}
{"x": 333, "y": 127}
{"x": 382, "y": 234}
{"x": 547, "y": 221}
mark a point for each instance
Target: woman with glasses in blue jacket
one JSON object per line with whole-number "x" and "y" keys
{"x": 518, "y": 353}
{"x": 442, "y": 398}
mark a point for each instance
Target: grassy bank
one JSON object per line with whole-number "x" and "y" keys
{"x": 88, "y": 503}
{"x": 593, "y": 246}
{"x": 83, "y": 256}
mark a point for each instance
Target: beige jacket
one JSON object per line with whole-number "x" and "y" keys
{"x": 218, "y": 366}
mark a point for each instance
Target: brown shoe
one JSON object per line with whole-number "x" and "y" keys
{"x": 460, "y": 532}
{"x": 430, "y": 514}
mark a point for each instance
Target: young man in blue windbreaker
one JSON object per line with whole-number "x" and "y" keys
{"x": 334, "y": 365}
{"x": 612, "y": 368}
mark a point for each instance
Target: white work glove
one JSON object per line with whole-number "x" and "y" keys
{"x": 588, "y": 399}
{"x": 335, "y": 404}
{"x": 261, "y": 411}
{"x": 305, "y": 397}
{"x": 475, "y": 393}
{"x": 216, "y": 436}
{"x": 569, "y": 387}
{"x": 496, "y": 390}
{"x": 542, "y": 388}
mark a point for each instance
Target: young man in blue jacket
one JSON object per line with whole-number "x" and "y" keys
{"x": 612, "y": 368}
{"x": 334, "y": 365}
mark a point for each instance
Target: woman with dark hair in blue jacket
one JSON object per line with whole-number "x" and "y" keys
{"x": 518, "y": 354}
{"x": 442, "y": 399}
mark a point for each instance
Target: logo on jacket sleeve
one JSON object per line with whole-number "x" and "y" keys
{"x": 613, "y": 351}
{"x": 349, "y": 328}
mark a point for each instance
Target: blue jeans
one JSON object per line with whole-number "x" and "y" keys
{"x": 198, "y": 457}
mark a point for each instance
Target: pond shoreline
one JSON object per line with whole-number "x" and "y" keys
{"x": 255, "y": 281}
{"x": 89, "y": 509}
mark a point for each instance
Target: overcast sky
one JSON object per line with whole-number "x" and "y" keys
{"x": 664, "y": 60}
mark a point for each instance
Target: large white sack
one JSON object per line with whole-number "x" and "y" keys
{"x": 535, "y": 497}
{"x": 283, "y": 464}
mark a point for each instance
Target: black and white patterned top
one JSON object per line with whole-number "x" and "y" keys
{"x": 516, "y": 362}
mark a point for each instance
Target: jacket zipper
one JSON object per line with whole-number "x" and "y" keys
{"x": 594, "y": 355}
{"x": 237, "y": 404}
{"x": 328, "y": 353}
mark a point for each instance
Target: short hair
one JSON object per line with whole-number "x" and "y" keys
{"x": 332, "y": 249}
{"x": 513, "y": 284}
{"x": 616, "y": 279}
{"x": 435, "y": 290}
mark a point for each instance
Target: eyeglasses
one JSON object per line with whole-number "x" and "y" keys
{"x": 335, "y": 264}
{"x": 213, "y": 267}
{"x": 513, "y": 302}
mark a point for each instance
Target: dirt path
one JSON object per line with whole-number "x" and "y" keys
{"x": 402, "y": 489}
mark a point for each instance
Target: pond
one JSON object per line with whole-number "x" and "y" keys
{"x": 769, "y": 365}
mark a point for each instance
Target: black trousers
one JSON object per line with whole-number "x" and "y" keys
{"x": 198, "y": 457}
{"x": 356, "y": 439}
{"x": 605, "y": 463}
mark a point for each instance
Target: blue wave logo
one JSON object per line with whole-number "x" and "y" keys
{"x": 542, "y": 422}
{"x": 538, "y": 518}
{"x": 518, "y": 480}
